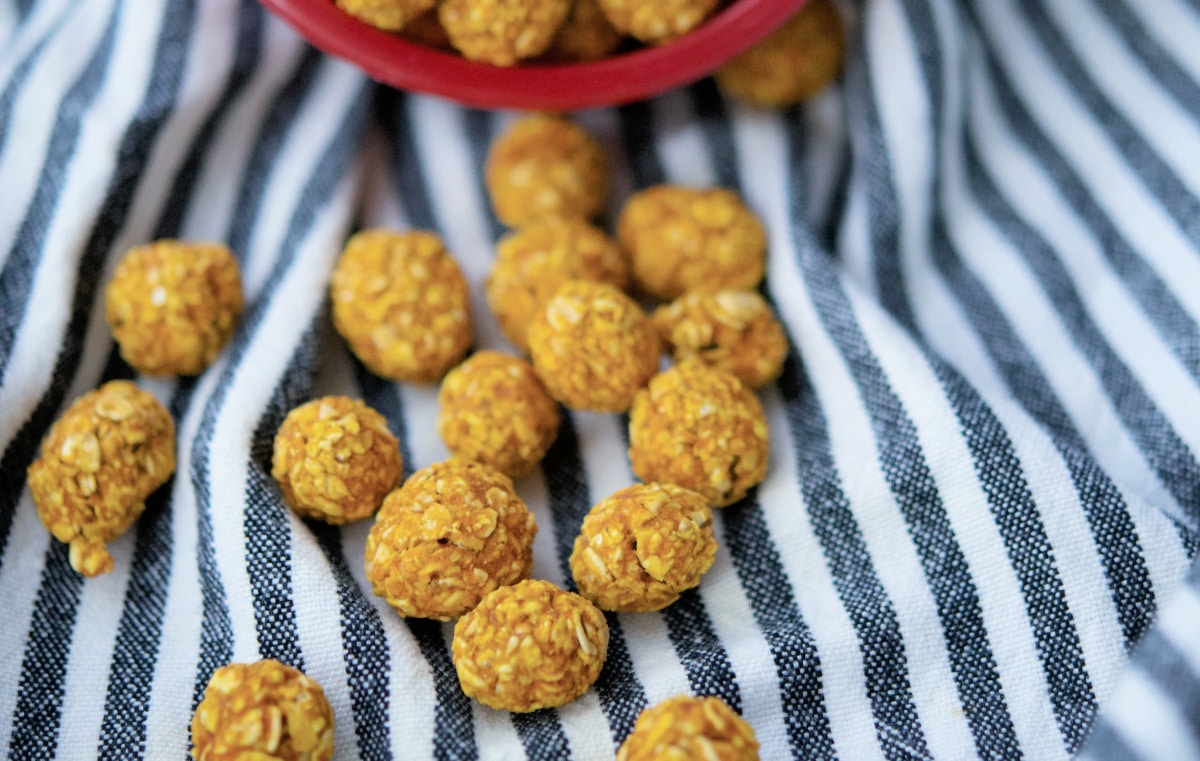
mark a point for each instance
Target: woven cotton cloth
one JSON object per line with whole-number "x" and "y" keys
{"x": 975, "y": 535}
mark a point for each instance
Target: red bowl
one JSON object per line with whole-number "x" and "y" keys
{"x": 617, "y": 79}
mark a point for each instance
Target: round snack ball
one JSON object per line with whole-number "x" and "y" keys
{"x": 586, "y": 35}
{"x": 685, "y": 727}
{"x": 495, "y": 410}
{"x": 262, "y": 710}
{"x": 388, "y": 15}
{"x": 529, "y": 646}
{"x": 794, "y": 63}
{"x": 683, "y": 239}
{"x": 700, "y": 428}
{"x": 544, "y": 166}
{"x": 454, "y": 532}
{"x": 642, "y": 546}
{"x": 99, "y": 462}
{"x": 335, "y": 460}
{"x": 730, "y": 330}
{"x": 657, "y": 22}
{"x": 502, "y": 32}
{"x": 533, "y": 262}
{"x": 402, "y": 304}
{"x": 593, "y": 347}
{"x": 173, "y": 305}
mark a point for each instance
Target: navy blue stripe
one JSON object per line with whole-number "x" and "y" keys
{"x": 903, "y": 464}
{"x": 1106, "y": 744}
{"x": 1107, "y": 514}
{"x": 453, "y": 724}
{"x": 713, "y": 119}
{"x": 637, "y": 133}
{"x": 1159, "y": 64}
{"x": 245, "y": 63}
{"x": 797, "y": 663}
{"x": 364, "y": 651}
{"x": 16, "y": 81}
{"x": 871, "y": 611}
{"x": 407, "y": 172}
{"x": 542, "y": 735}
{"x": 621, "y": 694}
{"x": 20, "y": 267}
{"x": 700, "y": 650}
{"x": 1156, "y": 300}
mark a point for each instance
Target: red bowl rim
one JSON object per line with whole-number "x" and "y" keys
{"x": 618, "y": 79}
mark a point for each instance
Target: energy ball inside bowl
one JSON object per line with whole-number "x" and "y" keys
{"x": 99, "y": 462}
{"x": 335, "y": 460}
{"x": 529, "y": 646}
{"x": 657, "y": 22}
{"x": 546, "y": 166}
{"x": 593, "y": 347}
{"x": 454, "y": 532}
{"x": 586, "y": 35}
{"x": 643, "y": 546}
{"x": 730, "y": 330}
{"x": 533, "y": 262}
{"x": 388, "y": 15}
{"x": 402, "y": 304}
{"x": 173, "y": 305}
{"x": 683, "y": 239}
{"x": 262, "y": 710}
{"x": 685, "y": 727}
{"x": 494, "y": 409}
{"x": 701, "y": 429}
{"x": 794, "y": 63}
{"x": 502, "y": 32}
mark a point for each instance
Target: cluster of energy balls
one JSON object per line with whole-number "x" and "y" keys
{"x": 790, "y": 65}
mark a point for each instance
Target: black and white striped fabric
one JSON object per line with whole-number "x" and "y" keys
{"x": 983, "y": 499}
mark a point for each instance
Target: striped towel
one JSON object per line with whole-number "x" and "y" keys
{"x": 977, "y": 531}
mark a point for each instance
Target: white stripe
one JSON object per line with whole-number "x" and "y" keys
{"x": 679, "y": 141}
{"x": 20, "y": 578}
{"x": 1149, "y": 721}
{"x": 1175, "y": 27}
{"x": 8, "y": 22}
{"x": 855, "y": 249}
{"x": 825, "y": 153}
{"x": 41, "y": 20}
{"x": 1178, "y": 623}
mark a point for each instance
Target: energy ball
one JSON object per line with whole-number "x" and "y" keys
{"x": 684, "y": 727}
{"x": 262, "y": 710}
{"x": 699, "y": 428}
{"x": 544, "y": 166}
{"x": 173, "y": 305}
{"x": 402, "y": 304}
{"x": 533, "y": 262}
{"x": 454, "y": 532}
{"x": 529, "y": 646}
{"x": 657, "y": 22}
{"x": 683, "y": 239}
{"x": 593, "y": 347}
{"x": 586, "y": 35}
{"x": 793, "y": 63}
{"x": 642, "y": 546}
{"x": 502, "y": 32}
{"x": 99, "y": 462}
{"x": 495, "y": 410}
{"x": 335, "y": 460}
{"x": 388, "y": 15}
{"x": 730, "y": 330}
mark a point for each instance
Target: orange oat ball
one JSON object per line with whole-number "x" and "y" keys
{"x": 262, "y": 710}
{"x": 529, "y": 646}
{"x": 546, "y": 166}
{"x": 502, "y": 32}
{"x": 593, "y": 347}
{"x": 700, "y": 428}
{"x": 335, "y": 460}
{"x": 173, "y": 305}
{"x": 642, "y": 546}
{"x": 388, "y": 15}
{"x": 683, "y": 728}
{"x": 99, "y": 462}
{"x": 683, "y": 239}
{"x": 586, "y": 35}
{"x": 533, "y": 262}
{"x": 730, "y": 330}
{"x": 660, "y": 21}
{"x": 495, "y": 410}
{"x": 793, "y": 63}
{"x": 454, "y": 532}
{"x": 402, "y": 304}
